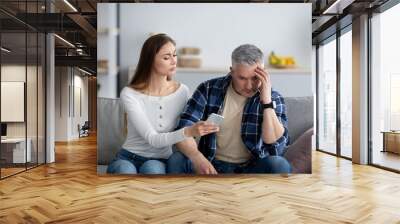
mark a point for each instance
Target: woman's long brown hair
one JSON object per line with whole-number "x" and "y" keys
{"x": 150, "y": 48}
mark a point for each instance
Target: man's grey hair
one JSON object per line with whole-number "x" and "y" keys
{"x": 247, "y": 54}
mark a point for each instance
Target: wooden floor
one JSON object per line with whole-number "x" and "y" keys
{"x": 70, "y": 191}
{"x": 5, "y": 172}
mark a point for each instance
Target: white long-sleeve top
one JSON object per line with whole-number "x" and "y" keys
{"x": 151, "y": 121}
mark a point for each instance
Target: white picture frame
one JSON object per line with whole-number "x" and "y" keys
{"x": 12, "y": 101}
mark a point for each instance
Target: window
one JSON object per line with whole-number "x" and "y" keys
{"x": 385, "y": 85}
{"x": 22, "y": 68}
{"x": 327, "y": 97}
{"x": 346, "y": 94}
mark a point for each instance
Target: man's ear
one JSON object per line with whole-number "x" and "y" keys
{"x": 230, "y": 68}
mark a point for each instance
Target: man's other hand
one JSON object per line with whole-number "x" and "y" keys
{"x": 202, "y": 166}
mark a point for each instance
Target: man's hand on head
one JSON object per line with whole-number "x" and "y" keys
{"x": 265, "y": 84}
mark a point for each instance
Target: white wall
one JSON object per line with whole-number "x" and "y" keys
{"x": 217, "y": 29}
{"x": 107, "y": 49}
{"x": 61, "y": 103}
{"x": 68, "y": 83}
{"x": 80, "y": 83}
{"x": 14, "y": 72}
{"x": 313, "y": 89}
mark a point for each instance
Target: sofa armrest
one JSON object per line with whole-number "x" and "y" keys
{"x": 110, "y": 129}
{"x": 299, "y": 153}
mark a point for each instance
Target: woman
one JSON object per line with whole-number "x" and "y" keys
{"x": 153, "y": 102}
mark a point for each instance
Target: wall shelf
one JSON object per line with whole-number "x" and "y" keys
{"x": 108, "y": 31}
{"x": 105, "y": 71}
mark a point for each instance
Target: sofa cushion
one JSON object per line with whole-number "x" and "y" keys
{"x": 299, "y": 153}
{"x": 300, "y": 113}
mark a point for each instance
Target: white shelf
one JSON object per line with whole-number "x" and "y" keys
{"x": 102, "y": 71}
{"x": 108, "y": 31}
{"x": 225, "y": 71}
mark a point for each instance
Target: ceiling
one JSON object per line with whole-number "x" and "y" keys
{"x": 76, "y": 21}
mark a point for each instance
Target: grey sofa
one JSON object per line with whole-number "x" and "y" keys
{"x": 111, "y": 133}
{"x": 300, "y": 112}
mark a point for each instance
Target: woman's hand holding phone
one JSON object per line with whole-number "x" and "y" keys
{"x": 201, "y": 128}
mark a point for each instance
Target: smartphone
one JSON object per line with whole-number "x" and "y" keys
{"x": 215, "y": 118}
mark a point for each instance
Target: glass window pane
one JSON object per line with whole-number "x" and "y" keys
{"x": 327, "y": 97}
{"x": 386, "y": 89}
{"x": 31, "y": 97}
{"x": 346, "y": 94}
{"x": 13, "y": 87}
{"x": 41, "y": 98}
{"x": 22, "y": 76}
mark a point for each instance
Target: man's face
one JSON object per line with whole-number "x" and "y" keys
{"x": 244, "y": 79}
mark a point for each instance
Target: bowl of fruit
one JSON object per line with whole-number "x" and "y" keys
{"x": 281, "y": 61}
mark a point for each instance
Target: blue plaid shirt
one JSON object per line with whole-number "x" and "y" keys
{"x": 209, "y": 98}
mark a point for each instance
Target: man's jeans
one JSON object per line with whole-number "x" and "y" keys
{"x": 128, "y": 163}
{"x": 179, "y": 163}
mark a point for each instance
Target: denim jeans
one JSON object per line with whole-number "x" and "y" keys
{"x": 179, "y": 163}
{"x": 128, "y": 163}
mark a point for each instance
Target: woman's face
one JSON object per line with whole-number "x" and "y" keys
{"x": 165, "y": 60}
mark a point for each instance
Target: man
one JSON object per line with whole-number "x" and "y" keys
{"x": 253, "y": 135}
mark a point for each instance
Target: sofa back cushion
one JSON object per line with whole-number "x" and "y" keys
{"x": 300, "y": 113}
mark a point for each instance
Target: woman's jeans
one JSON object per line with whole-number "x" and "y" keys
{"x": 129, "y": 163}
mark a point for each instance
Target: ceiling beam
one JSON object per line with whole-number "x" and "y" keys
{"x": 82, "y": 61}
{"x": 86, "y": 27}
